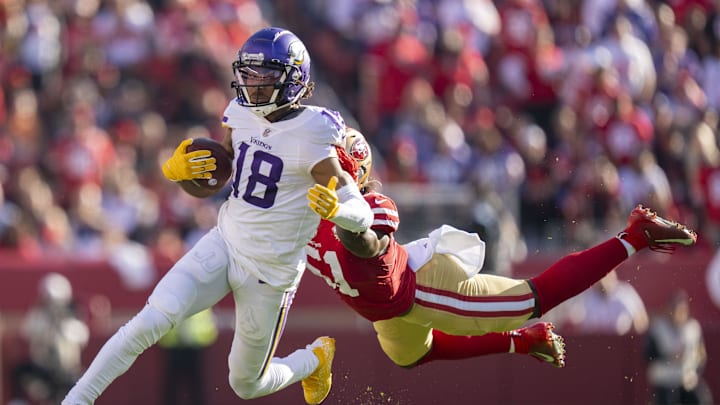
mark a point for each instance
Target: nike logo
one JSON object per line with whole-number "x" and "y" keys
{"x": 380, "y": 200}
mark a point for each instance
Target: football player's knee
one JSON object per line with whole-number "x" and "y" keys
{"x": 243, "y": 386}
{"x": 145, "y": 328}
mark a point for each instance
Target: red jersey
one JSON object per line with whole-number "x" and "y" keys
{"x": 377, "y": 288}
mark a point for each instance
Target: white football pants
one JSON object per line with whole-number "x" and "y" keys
{"x": 196, "y": 282}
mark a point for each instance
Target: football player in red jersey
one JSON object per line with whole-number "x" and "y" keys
{"x": 427, "y": 299}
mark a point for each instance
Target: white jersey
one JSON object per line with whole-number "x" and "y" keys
{"x": 266, "y": 221}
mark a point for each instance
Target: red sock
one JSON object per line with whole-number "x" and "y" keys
{"x": 522, "y": 346}
{"x": 576, "y": 272}
{"x": 450, "y": 347}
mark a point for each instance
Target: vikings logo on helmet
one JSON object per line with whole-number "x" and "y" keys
{"x": 296, "y": 53}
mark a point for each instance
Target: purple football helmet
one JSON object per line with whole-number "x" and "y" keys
{"x": 272, "y": 70}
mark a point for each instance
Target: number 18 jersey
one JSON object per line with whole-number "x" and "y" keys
{"x": 266, "y": 220}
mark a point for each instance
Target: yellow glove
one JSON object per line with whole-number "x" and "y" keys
{"x": 184, "y": 165}
{"x": 324, "y": 200}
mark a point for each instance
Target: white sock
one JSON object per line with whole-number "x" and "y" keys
{"x": 281, "y": 373}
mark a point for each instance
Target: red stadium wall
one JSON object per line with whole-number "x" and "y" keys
{"x": 601, "y": 369}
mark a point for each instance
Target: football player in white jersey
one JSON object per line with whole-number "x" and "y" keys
{"x": 256, "y": 252}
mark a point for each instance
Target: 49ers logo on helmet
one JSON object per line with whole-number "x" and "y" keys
{"x": 359, "y": 150}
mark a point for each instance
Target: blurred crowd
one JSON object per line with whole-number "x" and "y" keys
{"x": 571, "y": 112}
{"x": 94, "y": 94}
{"x": 562, "y": 114}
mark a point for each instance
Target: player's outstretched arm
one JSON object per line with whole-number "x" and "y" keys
{"x": 364, "y": 243}
{"x": 369, "y": 243}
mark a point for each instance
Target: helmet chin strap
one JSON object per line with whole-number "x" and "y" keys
{"x": 264, "y": 110}
{"x": 261, "y": 110}
{"x": 271, "y": 106}
{"x": 281, "y": 113}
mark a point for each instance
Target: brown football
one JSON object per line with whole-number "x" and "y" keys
{"x": 206, "y": 187}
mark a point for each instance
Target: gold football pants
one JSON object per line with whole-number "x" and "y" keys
{"x": 447, "y": 300}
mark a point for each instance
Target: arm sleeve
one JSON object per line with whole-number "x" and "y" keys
{"x": 354, "y": 213}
